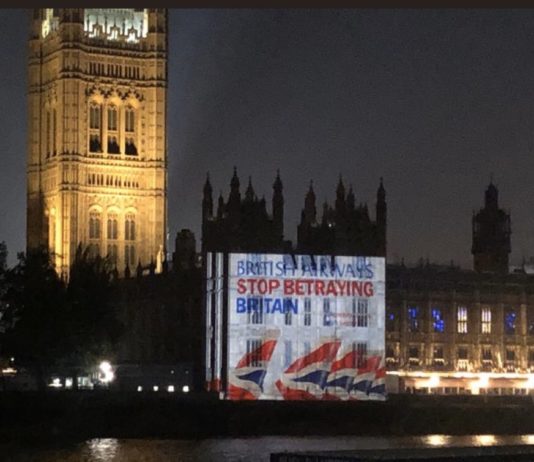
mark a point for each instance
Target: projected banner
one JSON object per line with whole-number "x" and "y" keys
{"x": 305, "y": 327}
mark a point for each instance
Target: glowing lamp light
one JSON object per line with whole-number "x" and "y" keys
{"x": 139, "y": 388}
{"x": 56, "y": 383}
{"x": 155, "y": 388}
{"x": 433, "y": 381}
{"x": 530, "y": 381}
{"x": 485, "y": 440}
{"x": 170, "y": 388}
{"x": 436, "y": 440}
{"x": 527, "y": 439}
{"x": 185, "y": 388}
{"x": 107, "y": 372}
{"x": 483, "y": 381}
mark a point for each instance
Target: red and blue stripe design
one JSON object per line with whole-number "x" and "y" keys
{"x": 305, "y": 378}
{"x": 246, "y": 379}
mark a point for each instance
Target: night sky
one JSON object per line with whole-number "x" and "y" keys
{"x": 433, "y": 101}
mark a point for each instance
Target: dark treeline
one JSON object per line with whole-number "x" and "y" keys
{"x": 49, "y": 324}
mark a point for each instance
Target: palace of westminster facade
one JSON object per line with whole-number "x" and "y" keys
{"x": 97, "y": 177}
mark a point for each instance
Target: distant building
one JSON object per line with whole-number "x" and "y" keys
{"x": 457, "y": 331}
{"x": 243, "y": 224}
{"x": 346, "y": 228}
{"x": 450, "y": 330}
{"x": 491, "y": 235}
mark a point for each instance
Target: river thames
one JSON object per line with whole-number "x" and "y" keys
{"x": 234, "y": 449}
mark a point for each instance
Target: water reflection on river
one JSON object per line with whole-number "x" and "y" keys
{"x": 235, "y": 449}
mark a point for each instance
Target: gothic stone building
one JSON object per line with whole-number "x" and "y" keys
{"x": 97, "y": 160}
{"x": 450, "y": 330}
{"x": 243, "y": 224}
{"x": 345, "y": 229}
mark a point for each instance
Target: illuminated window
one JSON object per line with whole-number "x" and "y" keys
{"x": 486, "y": 320}
{"x": 462, "y": 320}
{"x": 414, "y": 323}
{"x": 438, "y": 323}
{"x": 253, "y": 352}
{"x": 487, "y": 354}
{"x": 307, "y": 312}
{"x": 509, "y": 321}
{"x": 113, "y": 232}
{"x": 94, "y": 225}
{"x": 462, "y": 353}
{"x": 363, "y": 312}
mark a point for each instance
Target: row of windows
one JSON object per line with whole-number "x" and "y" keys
{"x": 100, "y": 179}
{"x": 113, "y": 252}
{"x": 113, "y": 147}
{"x": 291, "y": 353}
{"x": 359, "y": 315}
{"x": 487, "y": 358}
{"x": 438, "y": 322}
{"x": 95, "y": 118}
{"x": 95, "y": 227}
{"x": 114, "y": 70}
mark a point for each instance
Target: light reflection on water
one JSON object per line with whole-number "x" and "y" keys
{"x": 241, "y": 449}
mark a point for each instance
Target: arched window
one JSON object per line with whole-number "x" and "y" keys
{"x": 129, "y": 227}
{"x": 94, "y": 225}
{"x": 112, "y": 227}
{"x": 112, "y": 118}
{"x": 95, "y": 117}
{"x": 129, "y": 119}
{"x": 95, "y": 126}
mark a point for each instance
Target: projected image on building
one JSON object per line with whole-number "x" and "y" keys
{"x": 295, "y": 327}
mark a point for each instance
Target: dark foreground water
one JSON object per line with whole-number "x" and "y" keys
{"x": 232, "y": 449}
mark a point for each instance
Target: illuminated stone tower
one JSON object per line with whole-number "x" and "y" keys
{"x": 97, "y": 160}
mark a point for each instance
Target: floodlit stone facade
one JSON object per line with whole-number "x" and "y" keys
{"x": 97, "y": 151}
